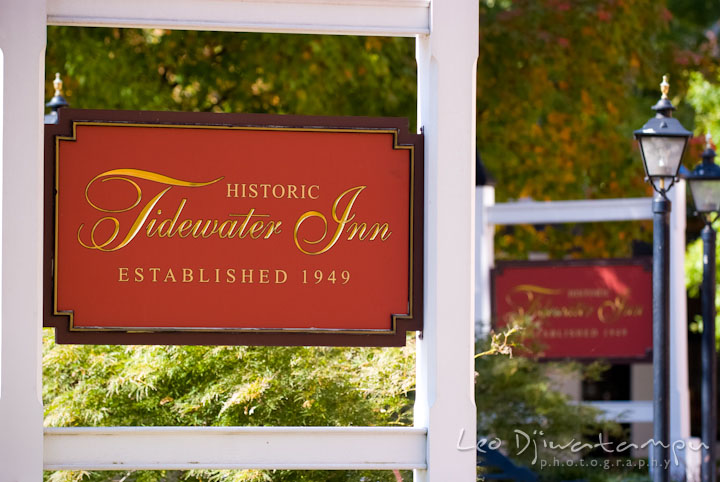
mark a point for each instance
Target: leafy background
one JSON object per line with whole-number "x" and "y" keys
{"x": 561, "y": 86}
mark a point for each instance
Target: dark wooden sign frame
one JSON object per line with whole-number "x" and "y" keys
{"x": 401, "y": 323}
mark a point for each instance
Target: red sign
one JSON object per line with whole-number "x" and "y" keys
{"x": 582, "y": 309}
{"x": 231, "y": 228}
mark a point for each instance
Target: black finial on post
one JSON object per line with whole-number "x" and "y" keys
{"x": 708, "y": 155}
{"x": 664, "y": 107}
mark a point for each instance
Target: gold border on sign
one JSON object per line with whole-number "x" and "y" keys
{"x": 120, "y": 329}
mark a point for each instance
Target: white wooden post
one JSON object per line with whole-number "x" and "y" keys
{"x": 679, "y": 385}
{"x": 484, "y": 258}
{"x": 446, "y": 112}
{"x": 22, "y": 40}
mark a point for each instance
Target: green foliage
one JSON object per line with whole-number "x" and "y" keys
{"x": 561, "y": 87}
{"x": 155, "y": 69}
{"x": 694, "y": 267}
{"x": 517, "y": 397}
{"x": 227, "y": 386}
{"x": 599, "y": 240}
{"x": 291, "y": 386}
{"x": 516, "y": 394}
{"x": 565, "y": 78}
{"x": 692, "y": 20}
{"x": 694, "y": 275}
{"x": 704, "y": 96}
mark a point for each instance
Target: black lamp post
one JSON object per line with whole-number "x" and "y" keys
{"x": 662, "y": 144}
{"x": 705, "y": 188}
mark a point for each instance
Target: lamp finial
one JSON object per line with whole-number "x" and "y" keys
{"x": 665, "y": 87}
{"x": 58, "y": 84}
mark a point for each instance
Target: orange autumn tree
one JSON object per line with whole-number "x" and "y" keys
{"x": 562, "y": 84}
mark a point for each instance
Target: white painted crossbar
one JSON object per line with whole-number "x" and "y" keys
{"x": 281, "y": 448}
{"x": 405, "y": 18}
{"x": 631, "y": 411}
{"x": 555, "y": 212}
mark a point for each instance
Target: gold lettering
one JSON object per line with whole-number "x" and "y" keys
{"x": 256, "y": 229}
{"x": 126, "y": 175}
{"x": 282, "y": 191}
{"x": 196, "y": 229}
{"x": 169, "y": 233}
{"x": 340, "y": 220}
{"x": 276, "y": 191}
{"x": 214, "y": 229}
{"x": 317, "y": 188}
{"x": 265, "y": 190}
{"x": 107, "y": 234}
{"x": 184, "y": 228}
{"x": 378, "y": 227}
{"x": 375, "y": 229}
{"x": 354, "y": 227}
{"x": 151, "y": 224}
{"x": 110, "y": 239}
{"x": 272, "y": 227}
{"x": 176, "y": 274}
{"x": 255, "y": 232}
{"x": 139, "y": 221}
{"x": 224, "y": 225}
{"x": 612, "y": 310}
{"x": 241, "y": 232}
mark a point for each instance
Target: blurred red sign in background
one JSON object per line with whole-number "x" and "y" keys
{"x": 581, "y": 309}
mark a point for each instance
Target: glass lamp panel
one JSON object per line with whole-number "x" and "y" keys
{"x": 662, "y": 154}
{"x": 706, "y": 195}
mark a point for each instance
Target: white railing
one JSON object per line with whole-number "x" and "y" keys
{"x": 281, "y": 448}
{"x": 633, "y": 411}
{"x": 398, "y": 18}
{"x": 554, "y": 212}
